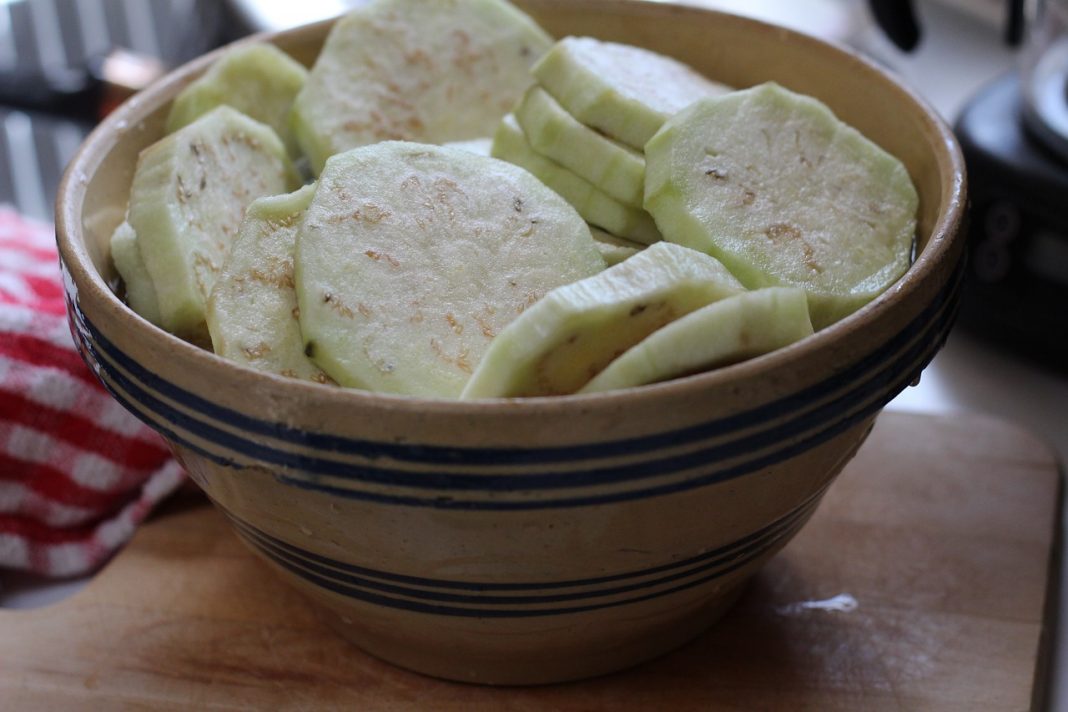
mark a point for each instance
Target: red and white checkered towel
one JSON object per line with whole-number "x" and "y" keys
{"x": 77, "y": 472}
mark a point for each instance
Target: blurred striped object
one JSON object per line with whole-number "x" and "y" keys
{"x": 49, "y": 38}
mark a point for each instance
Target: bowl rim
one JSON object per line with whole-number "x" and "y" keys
{"x": 74, "y": 254}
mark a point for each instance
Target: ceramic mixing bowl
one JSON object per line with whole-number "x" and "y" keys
{"x": 537, "y": 540}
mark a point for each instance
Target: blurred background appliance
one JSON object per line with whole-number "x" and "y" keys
{"x": 1014, "y": 134}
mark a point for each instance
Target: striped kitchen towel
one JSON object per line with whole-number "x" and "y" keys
{"x": 77, "y": 472}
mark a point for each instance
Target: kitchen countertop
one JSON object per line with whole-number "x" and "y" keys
{"x": 970, "y": 375}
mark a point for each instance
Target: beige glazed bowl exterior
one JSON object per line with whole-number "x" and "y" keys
{"x": 531, "y": 541}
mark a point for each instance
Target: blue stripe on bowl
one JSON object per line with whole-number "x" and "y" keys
{"x": 495, "y": 456}
{"x": 510, "y": 482}
{"x": 423, "y": 601}
{"x": 476, "y": 592}
{"x": 623, "y": 473}
{"x": 450, "y": 502}
{"x": 717, "y": 477}
{"x": 190, "y": 422}
{"x": 741, "y": 447}
{"x": 87, "y": 350}
{"x": 880, "y": 385}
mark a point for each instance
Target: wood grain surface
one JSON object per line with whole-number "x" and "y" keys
{"x": 941, "y": 530}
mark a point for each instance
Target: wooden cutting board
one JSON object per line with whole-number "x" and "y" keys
{"x": 920, "y": 583}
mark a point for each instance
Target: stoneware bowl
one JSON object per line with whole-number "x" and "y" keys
{"x": 538, "y": 540}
